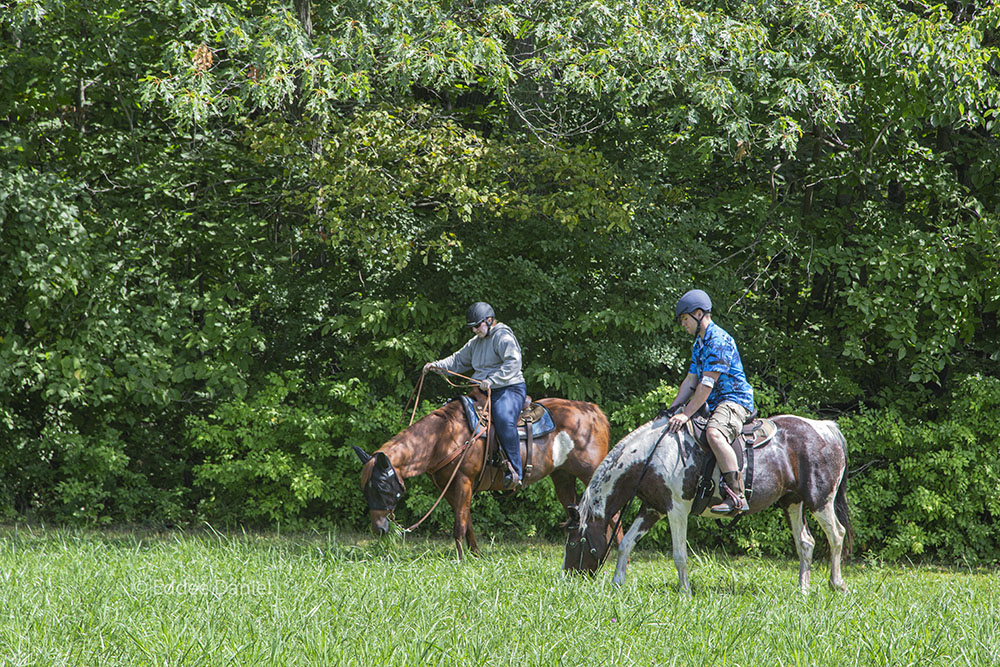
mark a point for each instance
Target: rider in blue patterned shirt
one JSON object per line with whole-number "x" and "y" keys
{"x": 715, "y": 378}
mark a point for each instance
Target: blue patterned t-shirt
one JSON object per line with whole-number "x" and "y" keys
{"x": 716, "y": 351}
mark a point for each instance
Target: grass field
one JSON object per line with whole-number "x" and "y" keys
{"x": 110, "y": 598}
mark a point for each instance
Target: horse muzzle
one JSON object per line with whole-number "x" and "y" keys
{"x": 380, "y": 522}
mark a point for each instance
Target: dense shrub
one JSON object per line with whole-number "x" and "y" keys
{"x": 226, "y": 250}
{"x": 282, "y": 456}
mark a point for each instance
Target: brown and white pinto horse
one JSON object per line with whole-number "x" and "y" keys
{"x": 804, "y": 466}
{"x": 572, "y": 451}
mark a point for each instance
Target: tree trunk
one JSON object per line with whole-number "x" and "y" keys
{"x": 304, "y": 10}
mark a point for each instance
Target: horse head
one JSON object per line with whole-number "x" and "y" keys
{"x": 382, "y": 487}
{"x": 586, "y": 543}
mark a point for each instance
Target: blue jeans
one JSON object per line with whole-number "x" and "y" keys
{"x": 507, "y": 404}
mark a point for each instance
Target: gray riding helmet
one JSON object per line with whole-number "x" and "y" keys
{"x": 692, "y": 301}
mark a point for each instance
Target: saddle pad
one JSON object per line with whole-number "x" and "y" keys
{"x": 541, "y": 427}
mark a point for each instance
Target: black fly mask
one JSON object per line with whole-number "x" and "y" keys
{"x": 384, "y": 488}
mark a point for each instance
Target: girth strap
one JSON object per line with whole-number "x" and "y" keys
{"x": 529, "y": 428}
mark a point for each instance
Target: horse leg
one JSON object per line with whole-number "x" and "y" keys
{"x": 470, "y": 537}
{"x": 647, "y": 519}
{"x": 678, "y": 537}
{"x": 460, "y": 499}
{"x": 835, "y": 531}
{"x": 565, "y": 487}
{"x": 804, "y": 542}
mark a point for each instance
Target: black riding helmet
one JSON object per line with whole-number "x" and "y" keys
{"x": 692, "y": 301}
{"x": 478, "y": 313}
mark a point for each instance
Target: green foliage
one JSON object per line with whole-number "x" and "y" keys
{"x": 212, "y": 215}
{"x": 282, "y": 455}
{"x": 930, "y": 487}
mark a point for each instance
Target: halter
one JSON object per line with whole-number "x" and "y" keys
{"x": 624, "y": 510}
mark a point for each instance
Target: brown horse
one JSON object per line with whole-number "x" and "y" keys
{"x": 804, "y": 467}
{"x": 434, "y": 445}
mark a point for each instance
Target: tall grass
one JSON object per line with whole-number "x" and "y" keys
{"x": 87, "y": 598}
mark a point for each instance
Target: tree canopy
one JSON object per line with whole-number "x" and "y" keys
{"x": 231, "y": 233}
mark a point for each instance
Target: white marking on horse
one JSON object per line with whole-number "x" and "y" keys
{"x": 562, "y": 446}
{"x": 630, "y": 450}
{"x": 827, "y": 429}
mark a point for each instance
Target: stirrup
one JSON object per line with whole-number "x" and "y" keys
{"x": 511, "y": 480}
{"x": 734, "y": 505}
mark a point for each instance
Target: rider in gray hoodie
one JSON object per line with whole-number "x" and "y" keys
{"x": 494, "y": 356}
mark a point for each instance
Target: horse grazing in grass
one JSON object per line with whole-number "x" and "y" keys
{"x": 804, "y": 466}
{"x": 436, "y": 445}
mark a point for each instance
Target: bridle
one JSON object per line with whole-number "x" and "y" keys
{"x": 621, "y": 514}
{"x": 482, "y": 430}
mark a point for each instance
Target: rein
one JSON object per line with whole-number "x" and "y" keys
{"x": 481, "y": 430}
{"x": 420, "y": 386}
{"x": 625, "y": 508}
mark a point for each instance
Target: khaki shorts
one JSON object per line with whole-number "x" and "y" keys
{"x": 728, "y": 418}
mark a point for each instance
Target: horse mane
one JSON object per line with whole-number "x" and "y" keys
{"x": 410, "y": 447}
{"x": 605, "y": 474}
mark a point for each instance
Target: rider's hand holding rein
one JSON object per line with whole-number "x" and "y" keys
{"x": 696, "y": 394}
{"x": 677, "y": 422}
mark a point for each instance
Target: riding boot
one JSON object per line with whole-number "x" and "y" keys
{"x": 734, "y": 501}
{"x": 511, "y": 480}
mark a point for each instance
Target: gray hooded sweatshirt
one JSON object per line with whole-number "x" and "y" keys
{"x": 495, "y": 357}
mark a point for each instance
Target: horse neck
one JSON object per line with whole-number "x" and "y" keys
{"x": 423, "y": 445}
{"x": 622, "y": 483}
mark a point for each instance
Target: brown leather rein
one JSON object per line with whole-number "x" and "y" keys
{"x": 481, "y": 430}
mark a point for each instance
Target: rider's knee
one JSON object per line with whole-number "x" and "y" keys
{"x": 715, "y": 436}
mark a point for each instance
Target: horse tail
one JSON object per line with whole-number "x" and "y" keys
{"x": 840, "y": 501}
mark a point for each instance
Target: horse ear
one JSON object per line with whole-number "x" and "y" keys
{"x": 574, "y": 517}
{"x": 362, "y": 454}
{"x": 382, "y": 461}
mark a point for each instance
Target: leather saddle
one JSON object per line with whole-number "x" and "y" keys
{"x": 756, "y": 433}
{"x": 535, "y": 420}
{"x": 532, "y": 414}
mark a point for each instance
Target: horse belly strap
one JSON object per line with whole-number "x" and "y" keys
{"x": 528, "y": 467}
